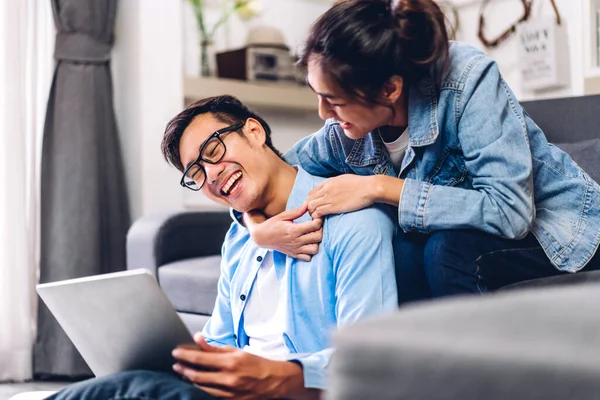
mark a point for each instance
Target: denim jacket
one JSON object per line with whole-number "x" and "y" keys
{"x": 475, "y": 160}
{"x": 350, "y": 279}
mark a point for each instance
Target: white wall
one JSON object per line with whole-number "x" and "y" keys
{"x": 156, "y": 45}
{"x": 149, "y": 63}
{"x": 500, "y": 14}
{"x": 148, "y": 74}
{"x": 293, "y": 18}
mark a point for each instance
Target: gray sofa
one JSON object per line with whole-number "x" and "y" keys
{"x": 541, "y": 344}
{"x": 183, "y": 250}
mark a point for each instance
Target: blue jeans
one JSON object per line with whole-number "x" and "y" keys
{"x": 133, "y": 385}
{"x": 456, "y": 262}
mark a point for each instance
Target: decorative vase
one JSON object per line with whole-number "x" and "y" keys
{"x": 204, "y": 57}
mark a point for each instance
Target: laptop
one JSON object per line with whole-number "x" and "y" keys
{"x": 118, "y": 321}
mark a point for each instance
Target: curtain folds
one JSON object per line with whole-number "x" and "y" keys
{"x": 84, "y": 211}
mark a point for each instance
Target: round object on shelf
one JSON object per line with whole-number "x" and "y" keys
{"x": 265, "y": 36}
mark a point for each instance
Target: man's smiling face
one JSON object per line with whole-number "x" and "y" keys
{"x": 240, "y": 179}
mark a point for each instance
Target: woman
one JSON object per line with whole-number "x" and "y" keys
{"x": 431, "y": 128}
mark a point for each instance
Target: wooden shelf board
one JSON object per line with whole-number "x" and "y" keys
{"x": 591, "y": 84}
{"x": 263, "y": 95}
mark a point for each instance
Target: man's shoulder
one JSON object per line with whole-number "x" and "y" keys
{"x": 374, "y": 222}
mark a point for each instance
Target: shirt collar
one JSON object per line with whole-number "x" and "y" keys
{"x": 302, "y": 186}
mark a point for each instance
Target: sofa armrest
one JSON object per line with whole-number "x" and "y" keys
{"x": 157, "y": 239}
{"x": 526, "y": 345}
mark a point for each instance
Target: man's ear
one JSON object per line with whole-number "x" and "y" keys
{"x": 392, "y": 89}
{"x": 255, "y": 132}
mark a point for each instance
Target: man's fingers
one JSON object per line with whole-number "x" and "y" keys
{"x": 204, "y": 346}
{"x": 303, "y": 257}
{"x": 208, "y": 379}
{"x": 204, "y": 359}
{"x": 304, "y": 228}
{"x": 295, "y": 213}
{"x": 217, "y": 393}
{"x": 310, "y": 238}
{"x": 309, "y": 249}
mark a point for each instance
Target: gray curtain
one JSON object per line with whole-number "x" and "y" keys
{"x": 84, "y": 213}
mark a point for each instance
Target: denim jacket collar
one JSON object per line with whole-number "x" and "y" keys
{"x": 366, "y": 151}
{"x": 422, "y": 113}
{"x": 422, "y": 122}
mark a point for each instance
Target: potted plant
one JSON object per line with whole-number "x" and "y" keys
{"x": 245, "y": 9}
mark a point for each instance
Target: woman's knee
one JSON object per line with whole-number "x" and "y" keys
{"x": 449, "y": 263}
{"x": 410, "y": 277}
{"x": 409, "y": 253}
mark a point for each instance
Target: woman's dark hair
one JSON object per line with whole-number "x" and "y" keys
{"x": 226, "y": 109}
{"x": 360, "y": 44}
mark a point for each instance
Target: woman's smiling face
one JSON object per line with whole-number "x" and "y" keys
{"x": 356, "y": 117}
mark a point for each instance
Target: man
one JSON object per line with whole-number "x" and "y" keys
{"x": 269, "y": 334}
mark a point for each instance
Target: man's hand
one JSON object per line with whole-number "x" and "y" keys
{"x": 280, "y": 233}
{"x": 227, "y": 372}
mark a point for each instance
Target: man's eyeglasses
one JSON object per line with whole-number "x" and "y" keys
{"x": 212, "y": 151}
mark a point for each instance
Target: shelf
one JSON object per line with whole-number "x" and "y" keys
{"x": 592, "y": 73}
{"x": 591, "y": 84}
{"x": 261, "y": 95}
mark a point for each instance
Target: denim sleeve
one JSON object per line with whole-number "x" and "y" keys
{"x": 219, "y": 330}
{"x": 360, "y": 245}
{"x": 318, "y": 154}
{"x": 493, "y": 137}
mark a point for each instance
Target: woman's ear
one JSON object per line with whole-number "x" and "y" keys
{"x": 255, "y": 132}
{"x": 392, "y": 89}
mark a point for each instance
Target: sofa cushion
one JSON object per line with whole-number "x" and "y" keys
{"x": 194, "y": 322}
{"x": 530, "y": 344}
{"x": 557, "y": 280}
{"x": 191, "y": 285}
{"x": 586, "y": 153}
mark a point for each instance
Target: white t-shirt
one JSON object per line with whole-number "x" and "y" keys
{"x": 397, "y": 149}
{"x": 264, "y": 315}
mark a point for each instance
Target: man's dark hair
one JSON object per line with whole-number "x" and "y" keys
{"x": 226, "y": 109}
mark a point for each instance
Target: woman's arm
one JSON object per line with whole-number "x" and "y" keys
{"x": 318, "y": 155}
{"x": 280, "y": 233}
{"x": 495, "y": 144}
{"x": 347, "y": 193}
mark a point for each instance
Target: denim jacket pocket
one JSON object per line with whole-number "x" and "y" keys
{"x": 450, "y": 170}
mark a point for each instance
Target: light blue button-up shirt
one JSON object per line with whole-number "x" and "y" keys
{"x": 350, "y": 279}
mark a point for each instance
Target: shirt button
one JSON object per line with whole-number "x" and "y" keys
{"x": 234, "y": 336}
{"x": 243, "y": 297}
{"x": 259, "y": 258}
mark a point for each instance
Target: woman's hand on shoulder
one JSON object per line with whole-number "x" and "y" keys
{"x": 341, "y": 194}
{"x": 280, "y": 233}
